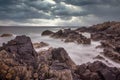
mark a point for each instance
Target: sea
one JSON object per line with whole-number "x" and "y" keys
{"x": 79, "y": 53}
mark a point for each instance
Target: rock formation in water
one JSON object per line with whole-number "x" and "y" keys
{"x": 69, "y": 36}
{"x": 6, "y": 35}
{"x": 19, "y": 61}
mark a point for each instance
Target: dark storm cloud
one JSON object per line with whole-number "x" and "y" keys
{"x": 63, "y": 11}
{"x": 89, "y": 2}
{"x": 22, "y": 10}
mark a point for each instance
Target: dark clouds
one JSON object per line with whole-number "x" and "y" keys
{"x": 56, "y": 12}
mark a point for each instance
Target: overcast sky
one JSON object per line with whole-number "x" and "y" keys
{"x": 58, "y": 12}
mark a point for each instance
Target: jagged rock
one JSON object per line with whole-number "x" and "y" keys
{"x": 22, "y": 49}
{"x": 58, "y": 34}
{"x": 79, "y": 38}
{"x": 97, "y": 71}
{"x": 6, "y": 35}
{"x": 47, "y": 32}
{"x": 40, "y": 45}
{"x": 61, "y": 55}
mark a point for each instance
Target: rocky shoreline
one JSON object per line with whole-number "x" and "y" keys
{"x": 107, "y": 33}
{"x": 20, "y": 61}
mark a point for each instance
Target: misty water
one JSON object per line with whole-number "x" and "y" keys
{"x": 79, "y": 53}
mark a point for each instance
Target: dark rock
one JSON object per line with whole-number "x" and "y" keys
{"x": 82, "y": 29}
{"x": 61, "y": 55}
{"x": 106, "y": 74}
{"x": 79, "y": 38}
{"x": 6, "y": 35}
{"x": 58, "y": 66}
{"x": 96, "y": 66}
{"x": 81, "y": 69}
{"x": 97, "y": 71}
{"x": 99, "y": 57}
{"x": 115, "y": 56}
{"x": 46, "y": 32}
{"x": 58, "y": 34}
{"x": 22, "y": 49}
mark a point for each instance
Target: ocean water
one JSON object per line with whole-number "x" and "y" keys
{"x": 79, "y": 53}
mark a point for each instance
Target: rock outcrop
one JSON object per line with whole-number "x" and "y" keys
{"x": 109, "y": 35}
{"x": 71, "y": 36}
{"x": 6, "y": 35}
{"x": 46, "y": 33}
{"x": 22, "y": 49}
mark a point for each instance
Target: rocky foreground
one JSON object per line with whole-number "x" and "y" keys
{"x": 19, "y": 61}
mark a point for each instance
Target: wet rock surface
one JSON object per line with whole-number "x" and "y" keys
{"x": 19, "y": 61}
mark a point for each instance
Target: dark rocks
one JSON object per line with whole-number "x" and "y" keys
{"x": 79, "y": 38}
{"x": 22, "y": 49}
{"x": 46, "y": 33}
{"x": 58, "y": 34}
{"x": 97, "y": 71}
{"x": 40, "y": 45}
{"x": 109, "y": 35}
{"x": 19, "y": 61}
{"x": 82, "y": 29}
{"x": 6, "y": 35}
{"x": 113, "y": 55}
{"x": 71, "y": 36}
{"x": 98, "y": 36}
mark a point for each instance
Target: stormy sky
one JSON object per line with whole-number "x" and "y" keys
{"x": 58, "y": 12}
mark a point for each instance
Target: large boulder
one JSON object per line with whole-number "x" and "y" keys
{"x": 46, "y": 33}
{"x": 22, "y": 49}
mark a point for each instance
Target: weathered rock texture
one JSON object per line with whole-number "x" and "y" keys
{"x": 19, "y": 61}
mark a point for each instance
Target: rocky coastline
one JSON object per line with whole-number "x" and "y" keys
{"x": 20, "y": 61}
